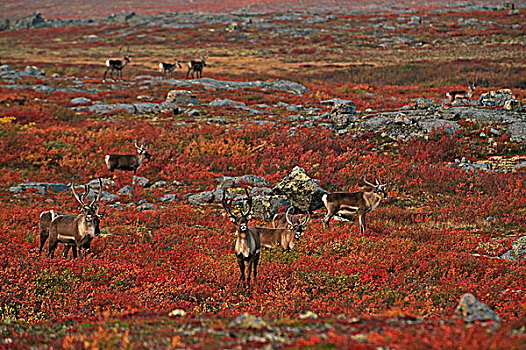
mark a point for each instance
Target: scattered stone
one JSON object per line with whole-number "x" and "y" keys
{"x": 201, "y": 198}
{"x": 517, "y": 251}
{"x": 246, "y": 320}
{"x": 169, "y": 198}
{"x": 126, "y": 191}
{"x": 182, "y": 98}
{"x": 301, "y": 190}
{"x": 40, "y": 187}
{"x": 308, "y": 315}
{"x": 80, "y": 101}
{"x": 159, "y": 184}
{"x": 496, "y": 98}
{"x": 177, "y": 313}
{"x": 33, "y": 70}
{"x": 343, "y": 114}
{"x": 514, "y": 106}
{"x": 138, "y": 180}
{"x": 145, "y": 207}
{"x": 471, "y": 309}
{"x": 226, "y": 103}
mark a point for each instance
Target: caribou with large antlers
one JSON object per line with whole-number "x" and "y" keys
{"x": 248, "y": 244}
{"x": 344, "y": 204}
{"x": 292, "y": 229}
{"x": 129, "y": 162}
{"x": 77, "y": 230}
{"x": 115, "y": 64}
{"x": 197, "y": 67}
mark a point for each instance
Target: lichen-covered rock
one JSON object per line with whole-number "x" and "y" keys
{"x": 40, "y": 187}
{"x": 514, "y": 106}
{"x": 517, "y": 251}
{"x": 248, "y": 321}
{"x": 342, "y": 115}
{"x": 496, "y": 98}
{"x": 33, "y": 70}
{"x": 182, "y": 98}
{"x": 169, "y": 197}
{"x": 430, "y": 124}
{"x": 201, "y": 198}
{"x": 301, "y": 190}
{"x": 472, "y": 309}
{"x": 126, "y": 191}
{"x": 244, "y": 180}
{"x": 142, "y": 181}
{"x": 265, "y": 207}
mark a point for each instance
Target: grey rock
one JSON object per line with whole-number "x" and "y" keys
{"x": 517, "y": 251}
{"x": 375, "y": 123}
{"x": 201, "y": 198}
{"x": 514, "y": 106}
{"x": 301, "y": 190}
{"x": 182, "y": 98}
{"x": 226, "y": 103}
{"x": 80, "y": 101}
{"x": 252, "y": 180}
{"x": 308, "y": 315}
{"x": 217, "y": 120}
{"x": 105, "y": 197}
{"x": 472, "y": 309}
{"x": 138, "y": 180}
{"x": 105, "y": 183}
{"x": 496, "y": 98}
{"x": 343, "y": 114}
{"x": 33, "y": 70}
{"x": 517, "y": 131}
{"x": 126, "y": 191}
{"x": 246, "y": 320}
{"x": 266, "y": 206}
{"x": 169, "y": 197}
{"x": 159, "y": 184}
{"x": 40, "y": 187}
{"x": 145, "y": 207}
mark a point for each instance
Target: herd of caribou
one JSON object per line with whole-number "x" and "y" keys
{"x": 165, "y": 68}
{"x": 76, "y": 232}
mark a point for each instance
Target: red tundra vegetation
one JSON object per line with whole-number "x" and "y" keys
{"x": 439, "y": 235}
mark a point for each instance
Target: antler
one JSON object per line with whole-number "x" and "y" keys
{"x": 75, "y": 193}
{"x": 226, "y": 205}
{"x": 287, "y": 215}
{"x": 99, "y": 195}
{"x": 249, "y": 201}
{"x": 304, "y": 223}
{"x": 365, "y": 180}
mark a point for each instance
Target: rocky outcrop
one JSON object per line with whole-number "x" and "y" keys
{"x": 182, "y": 98}
{"x": 131, "y": 108}
{"x": 301, "y": 190}
{"x": 496, "y": 98}
{"x": 517, "y": 251}
{"x": 470, "y": 309}
{"x": 39, "y": 187}
{"x": 343, "y": 114}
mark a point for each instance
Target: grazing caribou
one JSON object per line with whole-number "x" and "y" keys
{"x": 197, "y": 67}
{"x": 128, "y": 162}
{"x": 248, "y": 244}
{"x": 116, "y": 65}
{"x": 461, "y": 94}
{"x": 344, "y": 204}
{"x": 165, "y": 68}
{"x": 76, "y": 230}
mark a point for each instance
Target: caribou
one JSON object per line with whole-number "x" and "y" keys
{"x": 344, "y": 204}
{"x": 461, "y": 94}
{"x": 128, "y": 162}
{"x": 196, "y": 66}
{"x": 116, "y": 65}
{"x": 286, "y": 230}
{"x": 248, "y": 244}
{"x": 168, "y": 68}
{"x": 75, "y": 230}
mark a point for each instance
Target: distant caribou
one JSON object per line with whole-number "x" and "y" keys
{"x": 166, "y": 68}
{"x": 128, "y": 162}
{"x": 461, "y": 94}
{"x": 116, "y": 65}
{"x": 197, "y": 67}
{"x": 344, "y": 204}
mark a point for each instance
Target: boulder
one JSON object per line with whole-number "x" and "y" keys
{"x": 265, "y": 206}
{"x": 145, "y": 207}
{"x": 126, "y": 191}
{"x": 169, "y": 197}
{"x": 514, "y": 106}
{"x": 301, "y": 190}
{"x": 471, "y": 309}
{"x": 138, "y": 180}
{"x": 182, "y": 98}
{"x": 244, "y": 180}
{"x": 343, "y": 114}
{"x": 40, "y": 187}
{"x": 80, "y": 101}
{"x": 226, "y": 103}
{"x": 496, "y": 98}
{"x": 105, "y": 197}
{"x": 201, "y": 198}
{"x": 517, "y": 251}
{"x": 33, "y": 70}
{"x": 430, "y": 124}
{"x": 248, "y": 321}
